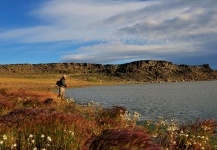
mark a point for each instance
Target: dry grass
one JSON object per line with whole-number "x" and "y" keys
{"x": 33, "y": 114}
{"x": 31, "y": 117}
{"x": 43, "y": 84}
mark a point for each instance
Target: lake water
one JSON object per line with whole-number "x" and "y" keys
{"x": 185, "y": 101}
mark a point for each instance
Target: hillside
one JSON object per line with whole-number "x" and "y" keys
{"x": 138, "y": 71}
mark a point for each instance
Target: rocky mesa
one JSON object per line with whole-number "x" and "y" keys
{"x": 137, "y": 71}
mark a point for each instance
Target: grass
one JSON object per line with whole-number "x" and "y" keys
{"x": 48, "y": 83}
{"x": 31, "y": 117}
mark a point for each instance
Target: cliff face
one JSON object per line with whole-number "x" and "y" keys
{"x": 165, "y": 71}
{"x": 141, "y": 71}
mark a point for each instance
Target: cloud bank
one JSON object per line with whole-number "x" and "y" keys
{"x": 180, "y": 31}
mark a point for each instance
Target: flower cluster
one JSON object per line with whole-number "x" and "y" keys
{"x": 70, "y": 100}
{"x": 136, "y": 116}
{"x": 5, "y": 140}
{"x": 92, "y": 103}
{"x": 31, "y": 142}
{"x": 125, "y": 115}
{"x": 172, "y": 135}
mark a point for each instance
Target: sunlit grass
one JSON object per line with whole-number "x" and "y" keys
{"x": 48, "y": 82}
{"x": 35, "y": 120}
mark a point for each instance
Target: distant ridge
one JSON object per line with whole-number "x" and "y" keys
{"x": 140, "y": 71}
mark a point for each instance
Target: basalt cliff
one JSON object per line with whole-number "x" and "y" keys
{"x": 138, "y": 71}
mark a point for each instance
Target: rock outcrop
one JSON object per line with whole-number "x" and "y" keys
{"x": 141, "y": 71}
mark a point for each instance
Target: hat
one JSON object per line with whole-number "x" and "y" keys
{"x": 64, "y": 76}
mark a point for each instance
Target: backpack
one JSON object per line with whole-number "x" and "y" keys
{"x": 58, "y": 83}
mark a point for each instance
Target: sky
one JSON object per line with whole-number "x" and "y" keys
{"x": 108, "y": 31}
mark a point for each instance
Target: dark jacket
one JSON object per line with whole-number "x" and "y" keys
{"x": 62, "y": 82}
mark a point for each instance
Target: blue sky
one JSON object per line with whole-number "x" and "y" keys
{"x": 108, "y": 31}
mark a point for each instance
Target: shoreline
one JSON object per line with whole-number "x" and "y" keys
{"x": 48, "y": 84}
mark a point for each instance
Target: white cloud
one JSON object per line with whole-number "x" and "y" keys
{"x": 146, "y": 29}
{"x": 72, "y": 20}
{"x": 117, "y": 51}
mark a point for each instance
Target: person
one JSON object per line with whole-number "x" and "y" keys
{"x": 62, "y": 87}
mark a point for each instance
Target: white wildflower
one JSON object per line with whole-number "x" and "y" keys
{"x": 154, "y": 135}
{"x": 126, "y": 115}
{"x": 136, "y": 116}
{"x": 72, "y": 100}
{"x": 13, "y": 145}
{"x": 30, "y": 135}
{"x": 42, "y": 136}
{"x": 5, "y": 137}
{"x": 49, "y": 139}
{"x": 72, "y": 133}
{"x": 1, "y": 142}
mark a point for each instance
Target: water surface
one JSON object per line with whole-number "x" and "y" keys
{"x": 185, "y": 101}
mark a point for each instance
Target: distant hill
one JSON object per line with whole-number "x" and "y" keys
{"x": 139, "y": 71}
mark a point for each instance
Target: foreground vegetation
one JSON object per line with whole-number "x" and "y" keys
{"x": 34, "y": 119}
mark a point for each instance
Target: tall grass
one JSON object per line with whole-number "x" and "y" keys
{"x": 36, "y": 120}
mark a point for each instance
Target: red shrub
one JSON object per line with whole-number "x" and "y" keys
{"x": 126, "y": 139}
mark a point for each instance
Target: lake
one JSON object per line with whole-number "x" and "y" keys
{"x": 185, "y": 101}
